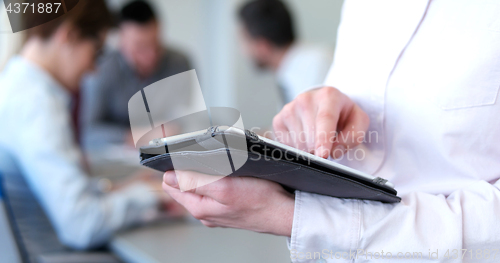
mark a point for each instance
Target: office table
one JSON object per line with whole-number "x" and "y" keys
{"x": 191, "y": 242}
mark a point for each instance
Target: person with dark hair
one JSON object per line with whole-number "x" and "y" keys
{"x": 269, "y": 37}
{"x": 140, "y": 61}
{"x": 39, "y": 158}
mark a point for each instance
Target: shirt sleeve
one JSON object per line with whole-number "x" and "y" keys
{"x": 462, "y": 227}
{"x": 51, "y": 164}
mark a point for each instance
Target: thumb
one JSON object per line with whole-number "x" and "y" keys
{"x": 190, "y": 181}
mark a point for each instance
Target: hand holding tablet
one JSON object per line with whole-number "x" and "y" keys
{"x": 228, "y": 151}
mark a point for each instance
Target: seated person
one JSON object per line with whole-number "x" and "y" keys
{"x": 37, "y": 143}
{"x": 269, "y": 38}
{"x": 140, "y": 61}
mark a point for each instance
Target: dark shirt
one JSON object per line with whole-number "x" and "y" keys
{"x": 105, "y": 95}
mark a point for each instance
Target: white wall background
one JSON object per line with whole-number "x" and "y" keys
{"x": 207, "y": 31}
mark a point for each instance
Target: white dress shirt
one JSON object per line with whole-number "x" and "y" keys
{"x": 36, "y": 141}
{"x": 428, "y": 75}
{"x": 303, "y": 66}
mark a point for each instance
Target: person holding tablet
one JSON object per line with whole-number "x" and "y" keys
{"x": 424, "y": 76}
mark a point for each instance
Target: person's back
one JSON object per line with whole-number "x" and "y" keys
{"x": 140, "y": 61}
{"x": 21, "y": 101}
{"x": 37, "y": 141}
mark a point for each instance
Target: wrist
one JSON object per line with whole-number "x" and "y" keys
{"x": 283, "y": 216}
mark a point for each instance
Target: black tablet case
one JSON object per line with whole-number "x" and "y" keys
{"x": 268, "y": 162}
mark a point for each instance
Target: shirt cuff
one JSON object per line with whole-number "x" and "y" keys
{"x": 325, "y": 229}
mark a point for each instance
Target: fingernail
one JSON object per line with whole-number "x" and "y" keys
{"x": 321, "y": 152}
{"x": 170, "y": 178}
{"x": 339, "y": 151}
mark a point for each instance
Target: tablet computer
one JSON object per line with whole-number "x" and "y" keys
{"x": 230, "y": 151}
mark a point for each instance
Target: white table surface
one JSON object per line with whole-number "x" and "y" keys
{"x": 192, "y": 242}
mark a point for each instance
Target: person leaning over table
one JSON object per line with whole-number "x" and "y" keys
{"x": 37, "y": 140}
{"x": 140, "y": 60}
{"x": 425, "y": 76}
{"x": 268, "y": 36}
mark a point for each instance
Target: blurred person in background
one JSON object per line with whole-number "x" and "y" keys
{"x": 140, "y": 61}
{"x": 269, "y": 38}
{"x": 39, "y": 156}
